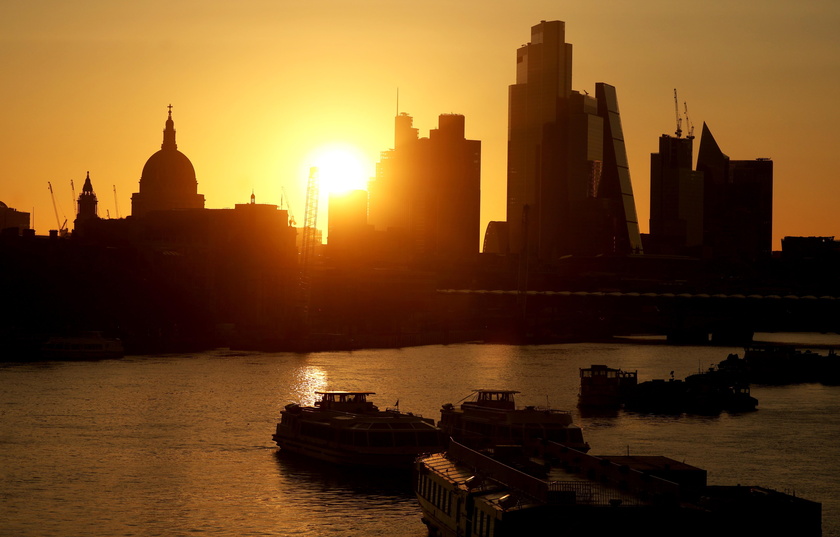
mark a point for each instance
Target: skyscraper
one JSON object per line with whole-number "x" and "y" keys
{"x": 676, "y": 198}
{"x": 569, "y": 189}
{"x": 737, "y": 203}
{"x": 428, "y": 190}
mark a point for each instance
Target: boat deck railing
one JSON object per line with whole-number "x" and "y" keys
{"x": 612, "y": 484}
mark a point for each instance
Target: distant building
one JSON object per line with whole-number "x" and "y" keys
{"x": 86, "y": 205}
{"x": 427, "y": 191}
{"x": 496, "y": 238}
{"x": 350, "y": 236}
{"x": 819, "y": 249}
{"x": 676, "y": 199}
{"x": 737, "y": 203}
{"x": 568, "y": 188}
{"x": 12, "y": 219}
{"x": 168, "y": 179}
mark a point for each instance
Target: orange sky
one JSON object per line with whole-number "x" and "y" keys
{"x": 258, "y": 85}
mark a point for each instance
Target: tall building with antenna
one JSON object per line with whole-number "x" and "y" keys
{"x": 676, "y": 195}
{"x": 568, "y": 187}
{"x": 427, "y": 191}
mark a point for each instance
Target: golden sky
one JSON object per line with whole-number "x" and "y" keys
{"x": 259, "y": 86}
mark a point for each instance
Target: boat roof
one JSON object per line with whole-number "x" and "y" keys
{"x": 496, "y": 391}
{"x": 338, "y": 392}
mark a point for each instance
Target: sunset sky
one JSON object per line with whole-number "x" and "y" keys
{"x": 260, "y": 88}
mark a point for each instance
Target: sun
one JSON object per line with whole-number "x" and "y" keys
{"x": 341, "y": 167}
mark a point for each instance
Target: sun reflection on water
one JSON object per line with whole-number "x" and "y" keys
{"x": 307, "y": 381}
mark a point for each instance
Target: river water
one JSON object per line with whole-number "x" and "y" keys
{"x": 181, "y": 444}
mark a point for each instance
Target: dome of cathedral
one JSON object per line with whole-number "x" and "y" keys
{"x": 168, "y": 169}
{"x": 168, "y": 179}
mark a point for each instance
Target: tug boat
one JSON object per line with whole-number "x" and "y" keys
{"x": 343, "y": 427}
{"x": 545, "y": 488}
{"x": 492, "y": 419}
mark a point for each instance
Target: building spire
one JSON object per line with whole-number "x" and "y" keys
{"x": 169, "y": 133}
{"x": 88, "y": 187}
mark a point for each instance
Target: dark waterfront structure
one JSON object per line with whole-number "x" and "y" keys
{"x": 402, "y": 265}
{"x": 569, "y": 189}
{"x": 172, "y": 277}
{"x": 427, "y": 192}
{"x": 168, "y": 179}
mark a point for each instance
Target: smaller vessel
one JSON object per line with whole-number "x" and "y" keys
{"x": 492, "y": 419}
{"x": 82, "y": 346}
{"x": 343, "y": 427}
{"x": 605, "y": 387}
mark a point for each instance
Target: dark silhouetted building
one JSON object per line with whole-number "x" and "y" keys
{"x": 569, "y": 189}
{"x": 427, "y": 191}
{"x": 496, "y": 238}
{"x": 737, "y": 204}
{"x": 168, "y": 179}
{"x": 350, "y": 236}
{"x": 86, "y": 205}
{"x": 676, "y": 199}
{"x": 13, "y": 219}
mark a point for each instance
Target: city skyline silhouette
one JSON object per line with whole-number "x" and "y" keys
{"x": 255, "y": 105}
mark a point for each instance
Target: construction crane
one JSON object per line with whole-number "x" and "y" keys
{"x": 73, "y": 190}
{"x": 61, "y": 230}
{"x": 310, "y": 220}
{"x": 677, "y": 111}
{"x": 116, "y": 204}
{"x": 688, "y": 123}
{"x": 284, "y": 200}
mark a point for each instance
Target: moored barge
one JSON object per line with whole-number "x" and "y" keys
{"x": 343, "y": 427}
{"x": 467, "y": 493}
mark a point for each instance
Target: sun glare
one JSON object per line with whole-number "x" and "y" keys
{"x": 341, "y": 167}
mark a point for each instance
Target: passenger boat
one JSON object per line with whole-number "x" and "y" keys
{"x": 82, "y": 346}
{"x": 525, "y": 491}
{"x": 343, "y": 427}
{"x": 492, "y": 418}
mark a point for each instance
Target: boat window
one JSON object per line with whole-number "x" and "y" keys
{"x": 380, "y": 426}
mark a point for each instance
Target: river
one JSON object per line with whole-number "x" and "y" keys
{"x": 181, "y": 444}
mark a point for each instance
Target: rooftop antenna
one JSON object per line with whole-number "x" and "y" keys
{"x": 677, "y": 111}
{"x": 398, "y": 101}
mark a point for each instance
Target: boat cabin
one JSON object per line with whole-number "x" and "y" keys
{"x": 355, "y": 402}
{"x": 502, "y": 399}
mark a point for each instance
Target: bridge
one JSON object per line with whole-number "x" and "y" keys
{"x": 725, "y": 318}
